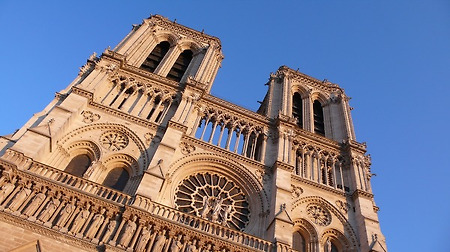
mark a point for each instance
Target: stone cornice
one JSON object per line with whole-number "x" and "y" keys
{"x": 246, "y": 113}
{"x": 181, "y": 29}
{"x": 137, "y": 73}
{"x": 361, "y": 194}
{"x": 307, "y": 136}
{"x": 177, "y": 126}
{"x": 108, "y": 110}
{"x": 306, "y": 79}
{"x": 353, "y": 145}
{"x": 317, "y": 185}
{"x": 283, "y": 166}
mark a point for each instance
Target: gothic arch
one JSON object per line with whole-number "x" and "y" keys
{"x": 126, "y": 161}
{"x": 185, "y": 44}
{"x": 208, "y": 162}
{"x": 319, "y": 96}
{"x": 84, "y": 147}
{"x": 77, "y": 134}
{"x": 161, "y": 36}
{"x": 348, "y": 230}
{"x": 337, "y": 238}
{"x": 308, "y": 231}
{"x": 302, "y": 90}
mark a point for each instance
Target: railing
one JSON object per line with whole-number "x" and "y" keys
{"x": 79, "y": 183}
{"x": 203, "y": 225}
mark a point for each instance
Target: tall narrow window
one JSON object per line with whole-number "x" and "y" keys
{"x": 78, "y": 165}
{"x": 298, "y": 242}
{"x": 180, "y": 66}
{"x": 117, "y": 179}
{"x": 319, "y": 126}
{"x": 297, "y": 109}
{"x": 155, "y": 57}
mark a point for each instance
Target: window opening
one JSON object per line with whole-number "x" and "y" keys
{"x": 319, "y": 126}
{"x": 117, "y": 179}
{"x": 180, "y": 66}
{"x": 78, "y": 165}
{"x": 155, "y": 57}
{"x": 298, "y": 243}
{"x": 297, "y": 109}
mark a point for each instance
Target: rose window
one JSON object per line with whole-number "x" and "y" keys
{"x": 319, "y": 215}
{"x": 215, "y": 198}
{"x": 114, "y": 141}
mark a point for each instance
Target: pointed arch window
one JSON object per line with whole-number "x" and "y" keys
{"x": 298, "y": 242}
{"x": 297, "y": 109}
{"x": 78, "y": 165}
{"x": 319, "y": 126}
{"x": 117, "y": 179}
{"x": 180, "y": 66}
{"x": 331, "y": 247}
{"x": 155, "y": 57}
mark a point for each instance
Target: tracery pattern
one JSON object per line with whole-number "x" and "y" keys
{"x": 318, "y": 214}
{"x": 213, "y": 197}
{"x": 114, "y": 141}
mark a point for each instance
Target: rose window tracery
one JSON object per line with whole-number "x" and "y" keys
{"x": 114, "y": 141}
{"x": 213, "y": 197}
{"x": 319, "y": 215}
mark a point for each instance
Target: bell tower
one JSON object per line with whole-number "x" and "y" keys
{"x": 317, "y": 148}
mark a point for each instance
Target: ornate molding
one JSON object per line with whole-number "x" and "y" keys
{"x": 89, "y": 116}
{"x": 186, "y": 148}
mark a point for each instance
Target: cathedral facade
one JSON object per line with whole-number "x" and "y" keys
{"x": 137, "y": 155}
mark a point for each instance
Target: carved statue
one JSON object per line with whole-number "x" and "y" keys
{"x": 328, "y": 245}
{"x": 20, "y": 197}
{"x": 143, "y": 238}
{"x": 7, "y": 189}
{"x": 65, "y": 213}
{"x": 49, "y": 210}
{"x": 176, "y": 245}
{"x": 79, "y": 220}
{"x": 130, "y": 227}
{"x": 192, "y": 246}
{"x": 160, "y": 241}
{"x": 206, "y": 207}
{"x": 35, "y": 203}
{"x": 208, "y": 248}
{"x": 226, "y": 214}
{"x": 90, "y": 170}
{"x": 96, "y": 224}
{"x": 109, "y": 230}
{"x": 216, "y": 210}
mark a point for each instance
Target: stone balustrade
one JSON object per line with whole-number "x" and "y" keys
{"x": 83, "y": 217}
{"x": 79, "y": 183}
{"x": 201, "y": 224}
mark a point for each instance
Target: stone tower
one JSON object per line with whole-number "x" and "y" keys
{"x": 136, "y": 154}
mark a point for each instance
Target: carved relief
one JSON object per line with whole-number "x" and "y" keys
{"x": 318, "y": 214}
{"x": 343, "y": 206}
{"x": 296, "y": 191}
{"x": 186, "y": 148}
{"x": 262, "y": 175}
{"x": 148, "y": 138}
{"x": 90, "y": 117}
{"x": 113, "y": 141}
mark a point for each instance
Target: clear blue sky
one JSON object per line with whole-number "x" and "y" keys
{"x": 392, "y": 57}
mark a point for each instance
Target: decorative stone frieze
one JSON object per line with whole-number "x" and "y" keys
{"x": 186, "y": 148}
{"x": 343, "y": 206}
{"x": 89, "y": 116}
{"x": 113, "y": 141}
{"x": 318, "y": 215}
